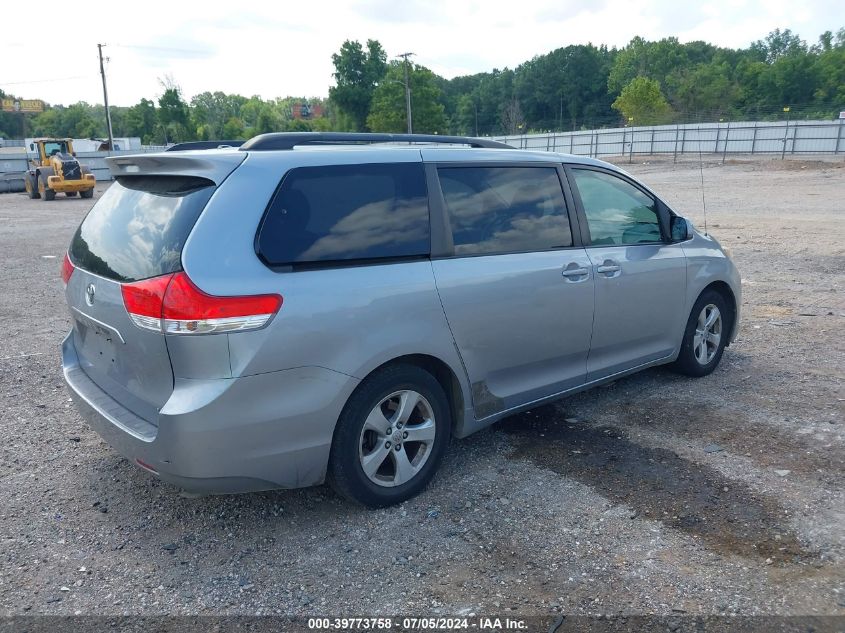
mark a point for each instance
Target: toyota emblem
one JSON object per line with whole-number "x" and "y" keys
{"x": 89, "y": 294}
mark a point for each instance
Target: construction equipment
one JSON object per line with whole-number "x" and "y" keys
{"x": 54, "y": 169}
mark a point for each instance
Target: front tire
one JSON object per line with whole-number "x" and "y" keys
{"x": 705, "y": 337}
{"x": 44, "y": 190}
{"x": 88, "y": 193}
{"x": 390, "y": 437}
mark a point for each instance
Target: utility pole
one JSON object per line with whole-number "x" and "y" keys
{"x": 785, "y": 133}
{"x": 405, "y": 56}
{"x": 106, "y": 98}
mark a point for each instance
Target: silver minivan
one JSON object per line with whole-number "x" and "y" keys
{"x": 310, "y": 307}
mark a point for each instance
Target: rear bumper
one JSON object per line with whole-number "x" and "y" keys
{"x": 259, "y": 432}
{"x": 88, "y": 181}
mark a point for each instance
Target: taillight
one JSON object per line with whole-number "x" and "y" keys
{"x": 174, "y": 305}
{"x": 67, "y": 269}
{"x": 144, "y": 301}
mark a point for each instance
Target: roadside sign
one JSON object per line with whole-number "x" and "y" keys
{"x": 842, "y": 114}
{"x": 23, "y": 105}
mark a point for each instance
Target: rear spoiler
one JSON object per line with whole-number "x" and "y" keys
{"x": 214, "y": 166}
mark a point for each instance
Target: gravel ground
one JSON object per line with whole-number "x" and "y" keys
{"x": 655, "y": 494}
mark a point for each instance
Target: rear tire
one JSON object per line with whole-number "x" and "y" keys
{"x": 705, "y": 337}
{"x": 30, "y": 186}
{"x": 70, "y": 194}
{"x": 400, "y": 405}
{"x": 88, "y": 193}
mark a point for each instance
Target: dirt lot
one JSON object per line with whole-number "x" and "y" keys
{"x": 656, "y": 494}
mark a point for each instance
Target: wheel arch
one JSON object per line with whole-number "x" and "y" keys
{"x": 445, "y": 375}
{"x": 727, "y": 293}
{"x": 45, "y": 171}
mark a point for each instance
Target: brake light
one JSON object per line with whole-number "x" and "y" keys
{"x": 174, "y": 305}
{"x": 67, "y": 269}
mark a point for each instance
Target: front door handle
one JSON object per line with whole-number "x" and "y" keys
{"x": 573, "y": 272}
{"x": 609, "y": 268}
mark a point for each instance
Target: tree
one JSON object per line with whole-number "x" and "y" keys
{"x": 642, "y": 101}
{"x": 234, "y": 129}
{"x": 78, "y": 122}
{"x": 778, "y": 44}
{"x": 388, "y": 110}
{"x": 211, "y": 110}
{"x": 269, "y": 120}
{"x": 47, "y": 123}
{"x": 357, "y": 73}
{"x": 830, "y": 69}
{"x": 564, "y": 87}
{"x": 512, "y": 120}
{"x": 707, "y": 89}
{"x": 655, "y": 60}
{"x": 140, "y": 120}
{"x": 173, "y": 113}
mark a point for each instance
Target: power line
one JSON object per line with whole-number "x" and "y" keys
{"x": 43, "y": 81}
{"x": 163, "y": 48}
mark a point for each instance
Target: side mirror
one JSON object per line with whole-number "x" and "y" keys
{"x": 681, "y": 229}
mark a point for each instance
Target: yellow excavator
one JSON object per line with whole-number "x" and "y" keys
{"x": 53, "y": 169}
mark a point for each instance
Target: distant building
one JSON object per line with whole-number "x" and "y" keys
{"x": 306, "y": 111}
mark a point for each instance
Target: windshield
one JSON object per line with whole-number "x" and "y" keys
{"x": 51, "y": 148}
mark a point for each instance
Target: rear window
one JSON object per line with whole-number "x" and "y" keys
{"x": 138, "y": 227}
{"x": 347, "y": 212}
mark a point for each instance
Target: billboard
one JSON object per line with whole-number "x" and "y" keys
{"x": 23, "y": 105}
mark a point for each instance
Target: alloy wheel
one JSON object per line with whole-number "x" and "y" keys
{"x": 397, "y": 438}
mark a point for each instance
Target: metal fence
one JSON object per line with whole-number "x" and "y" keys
{"x": 779, "y": 138}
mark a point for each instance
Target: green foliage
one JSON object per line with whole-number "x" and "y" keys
{"x": 75, "y": 120}
{"x": 269, "y": 120}
{"x": 234, "y": 129}
{"x": 830, "y": 69}
{"x": 565, "y": 87}
{"x": 357, "y": 73}
{"x": 778, "y": 44}
{"x": 140, "y": 120}
{"x": 173, "y": 116}
{"x": 642, "y": 102}
{"x": 387, "y": 112}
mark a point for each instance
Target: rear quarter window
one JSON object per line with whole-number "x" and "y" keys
{"x": 346, "y": 212}
{"x": 137, "y": 229}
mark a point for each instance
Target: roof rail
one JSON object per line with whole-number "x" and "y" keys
{"x": 184, "y": 147}
{"x": 289, "y": 140}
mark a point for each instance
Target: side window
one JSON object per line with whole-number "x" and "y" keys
{"x": 344, "y": 212}
{"x": 617, "y": 212}
{"x": 505, "y": 209}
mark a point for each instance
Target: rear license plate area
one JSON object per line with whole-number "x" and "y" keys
{"x": 98, "y": 342}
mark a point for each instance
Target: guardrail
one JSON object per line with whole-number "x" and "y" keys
{"x": 780, "y": 138}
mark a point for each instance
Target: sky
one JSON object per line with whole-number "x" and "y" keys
{"x": 277, "y": 49}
